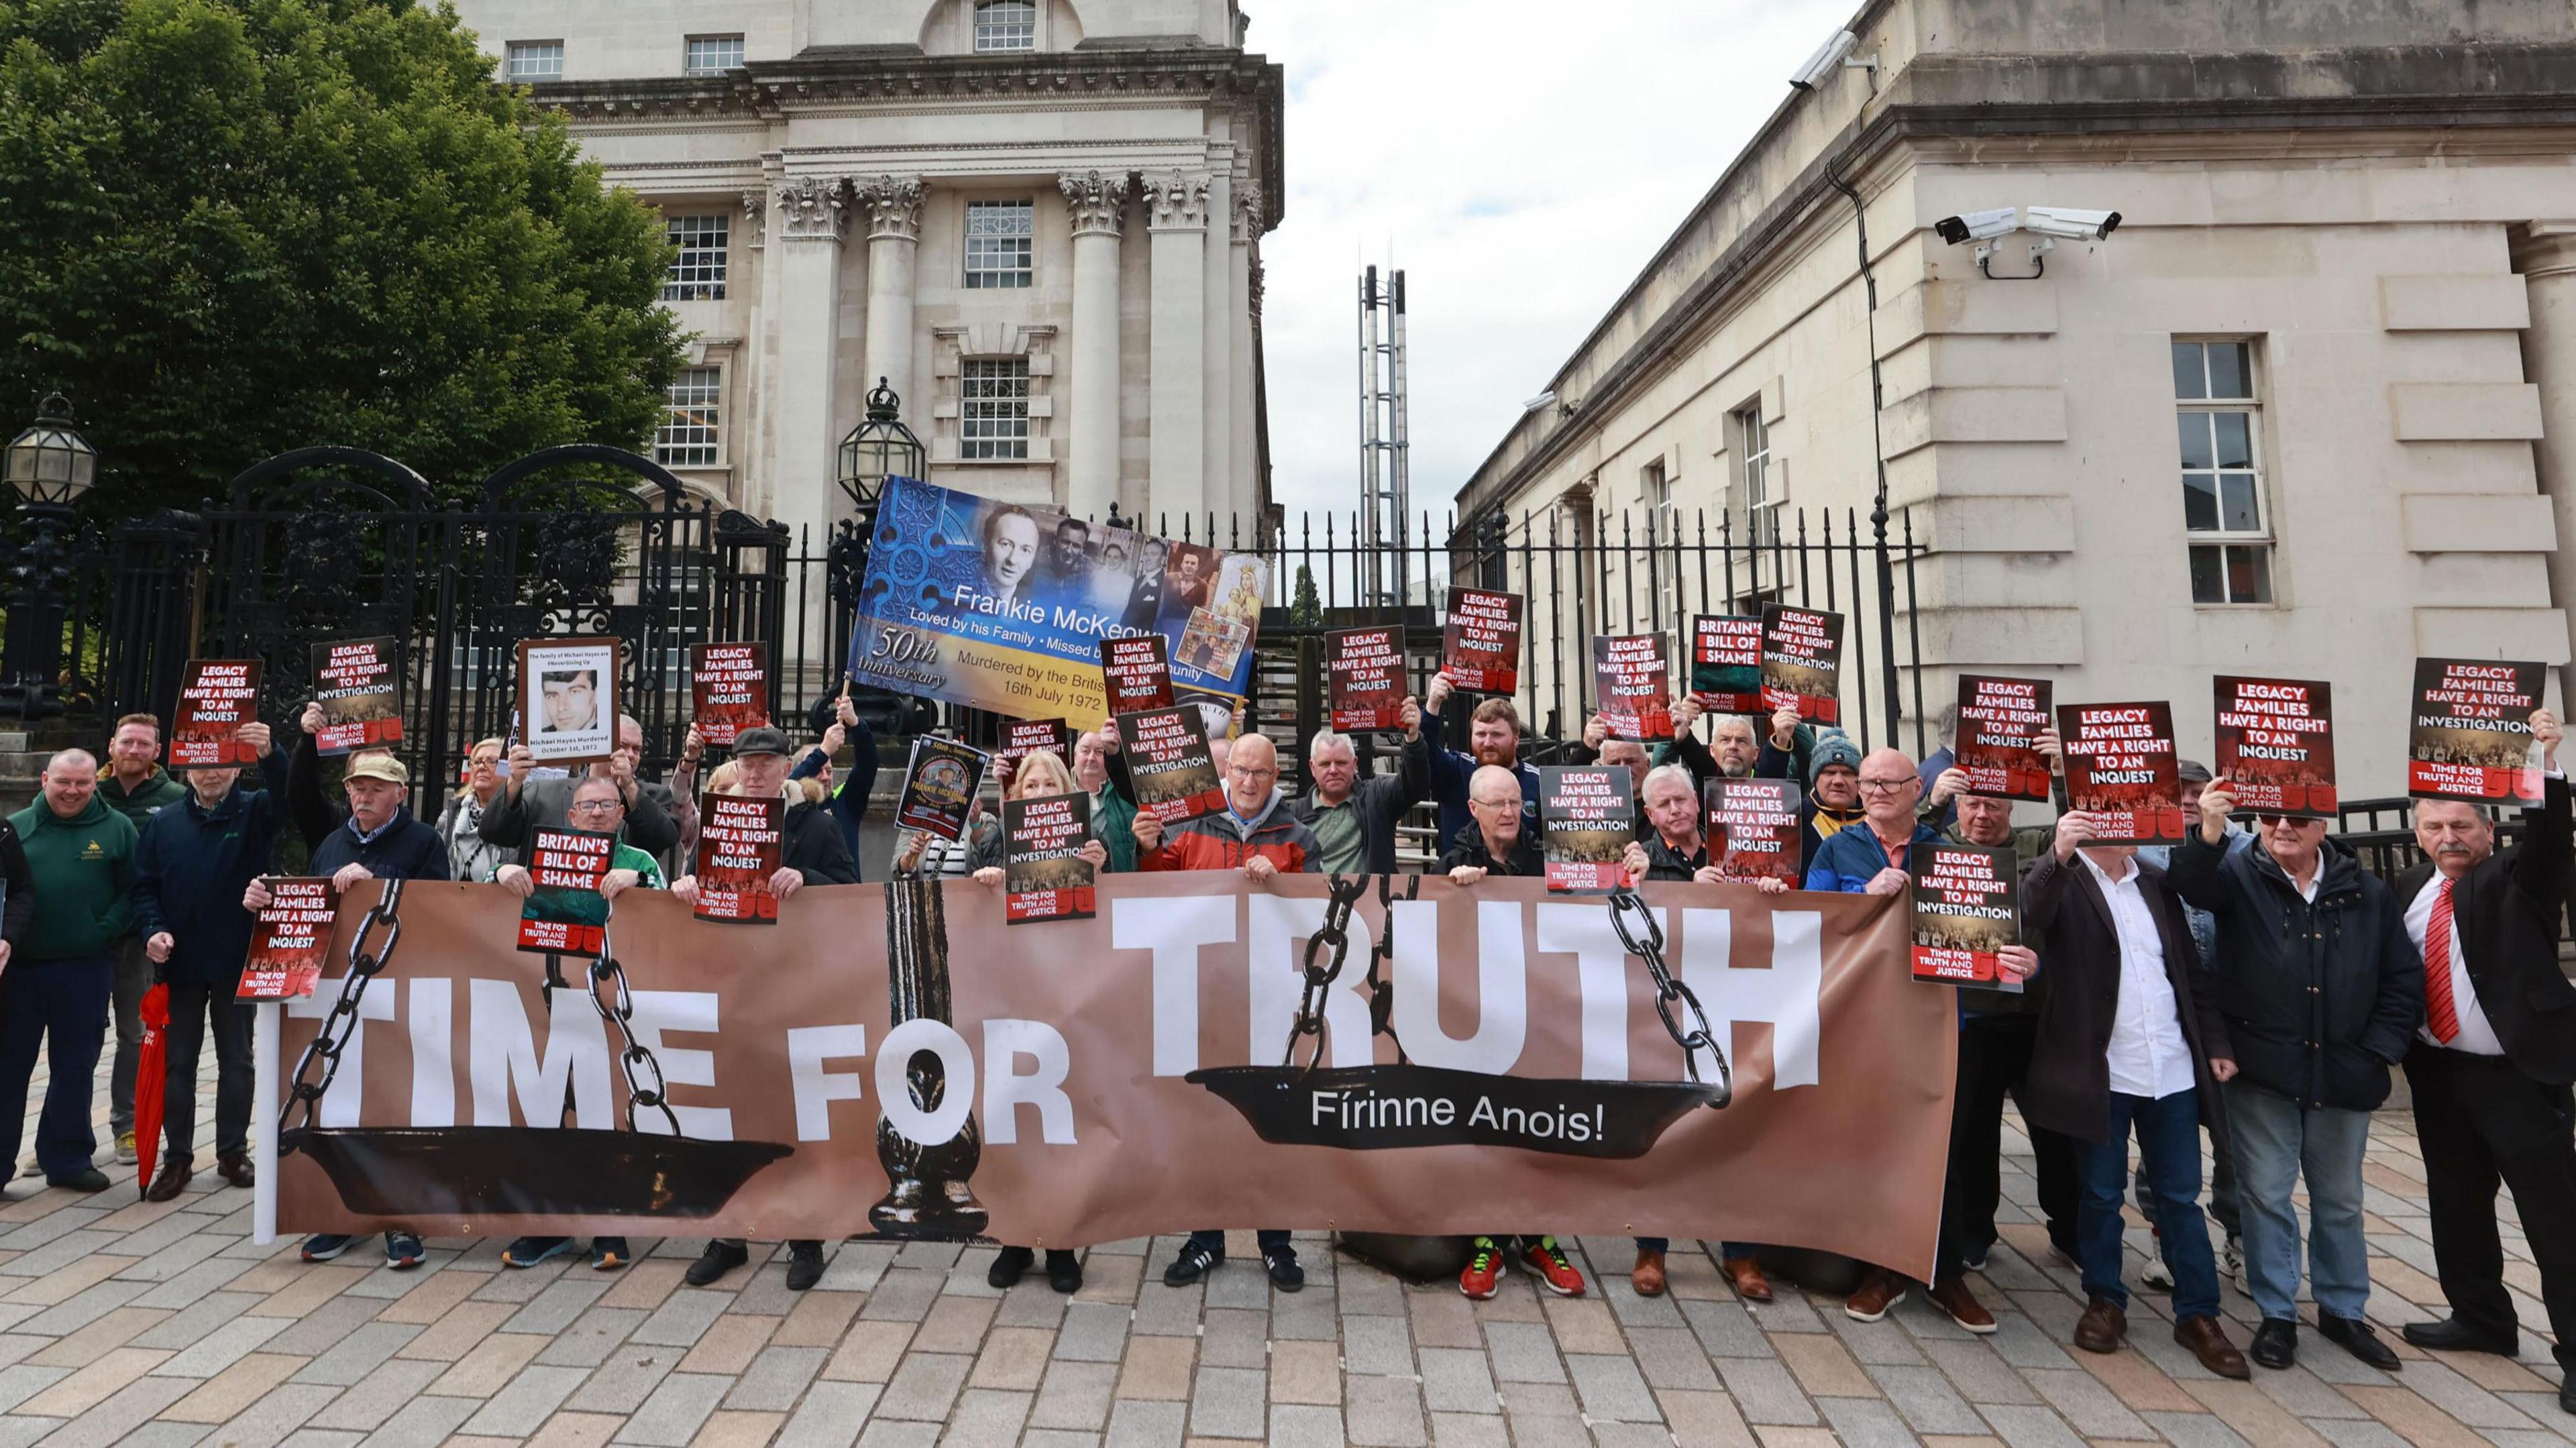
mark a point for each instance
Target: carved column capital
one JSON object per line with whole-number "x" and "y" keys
{"x": 1247, "y": 209}
{"x": 1176, "y": 201}
{"x": 812, "y": 208}
{"x": 894, "y": 207}
{"x": 755, "y": 213}
{"x": 1097, "y": 203}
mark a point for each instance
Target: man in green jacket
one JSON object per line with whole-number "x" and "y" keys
{"x": 135, "y": 786}
{"x": 81, "y": 855}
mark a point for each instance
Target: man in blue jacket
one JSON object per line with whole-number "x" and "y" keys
{"x": 1493, "y": 738}
{"x": 194, "y": 861}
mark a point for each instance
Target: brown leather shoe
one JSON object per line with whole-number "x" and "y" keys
{"x": 1954, "y": 1298}
{"x": 2101, "y": 1327}
{"x": 1745, "y": 1275}
{"x": 1878, "y": 1292}
{"x": 1648, "y": 1275}
{"x": 172, "y": 1180}
{"x": 235, "y": 1167}
{"x": 2208, "y": 1342}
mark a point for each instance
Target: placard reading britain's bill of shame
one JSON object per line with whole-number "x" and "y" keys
{"x": 2470, "y": 734}
{"x": 1003, "y": 606}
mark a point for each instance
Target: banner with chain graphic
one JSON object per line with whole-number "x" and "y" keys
{"x": 898, "y": 1059}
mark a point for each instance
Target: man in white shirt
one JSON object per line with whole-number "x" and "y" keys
{"x": 2129, "y": 1034}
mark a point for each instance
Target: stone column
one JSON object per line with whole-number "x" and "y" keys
{"x": 1098, "y": 205}
{"x": 1176, "y": 215}
{"x": 1219, "y": 492}
{"x": 894, "y": 234}
{"x": 809, "y": 218}
{"x": 1244, "y": 309}
{"x": 2544, "y": 253}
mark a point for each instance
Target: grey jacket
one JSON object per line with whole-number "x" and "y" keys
{"x": 542, "y": 804}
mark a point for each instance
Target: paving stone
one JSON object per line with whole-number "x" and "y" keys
{"x": 424, "y": 1422}
{"x": 2092, "y": 1408}
{"x": 775, "y": 1379}
{"x": 987, "y": 1415}
{"x": 519, "y": 1409}
{"x": 1866, "y": 1423}
{"x": 924, "y": 1387}
{"x": 682, "y": 1318}
{"x": 1455, "y": 1380}
{"x": 555, "y": 1308}
{"x": 591, "y": 1337}
{"x": 2198, "y": 1430}
{"x": 1384, "y": 1412}
{"x": 1611, "y": 1388}
{"x": 831, "y": 1416}
{"x": 1075, "y": 1396}
{"x": 1230, "y": 1403}
{"x": 1927, "y": 1401}
{"x": 218, "y": 1348}
{"x": 1523, "y": 1352}
{"x": 622, "y": 1383}
{"x": 1456, "y": 1430}
{"x": 678, "y": 1405}
{"x": 354, "y": 1356}
{"x": 1092, "y": 1332}
{"x": 275, "y": 1416}
{"x": 1726, "y": 1329}
{"x": 1235, "y": 1339}
{"x": 1766, "y": 1391}
{"x": 1304, "y": 1426}
{"x": 368, "y": 1404}
{"x": 1377, "y": 1345}
{"x": 1144, "y": 1425}
{"x": 2031, "y": 1428}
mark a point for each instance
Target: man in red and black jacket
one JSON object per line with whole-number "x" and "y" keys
{"x": 1256, "y": 834}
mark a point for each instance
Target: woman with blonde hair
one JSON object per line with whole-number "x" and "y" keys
{"x": 1040, "y": 773}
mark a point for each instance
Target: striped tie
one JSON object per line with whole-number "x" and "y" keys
{"x": 2437, "y": 969}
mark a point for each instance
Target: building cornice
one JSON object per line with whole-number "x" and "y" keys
{"x": 2155, "y": 101}
{"x": 862, "y": 79}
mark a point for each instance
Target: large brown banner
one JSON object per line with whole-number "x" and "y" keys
{"x": 1090, "y": 1080}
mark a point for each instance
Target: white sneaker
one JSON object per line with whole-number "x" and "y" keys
{"x": 2231, "y": 1260}
{"x": 28, "y": 1167}
{"x": 2157, "y": 1275}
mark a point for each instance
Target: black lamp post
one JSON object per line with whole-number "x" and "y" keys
{"x": 47, "y": 467}
{"x": 877, "y": 449}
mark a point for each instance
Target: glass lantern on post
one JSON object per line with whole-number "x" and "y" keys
{"x": 48, "y": 468}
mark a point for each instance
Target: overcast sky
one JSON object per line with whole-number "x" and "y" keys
{"x": 1521, "y": 160}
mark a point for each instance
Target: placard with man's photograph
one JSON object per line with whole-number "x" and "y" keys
{"x": 568, "y": 695}
{"x": 1590, "y": 815}
{"x": 2121, "y": 769}
{"x": 2470, "y": 732}
{"x": 358, "y": 683}
{"x": 216, "y": 698}
{"x": 1044, "y": 875}
{"x": 1966, "y": 910}
{"x": 2276, "y": 745}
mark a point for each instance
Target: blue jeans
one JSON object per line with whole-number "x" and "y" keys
{"x": 1725, "y": 1250}
{"x": 2278, "y": 1142}
{"x": 1268, "y": 1237}
{"x": 59, "y": 1006}
{"x": 2169, "y": 1157}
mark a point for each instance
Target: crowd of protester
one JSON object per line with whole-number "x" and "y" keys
{"x": 2256, "y": 984}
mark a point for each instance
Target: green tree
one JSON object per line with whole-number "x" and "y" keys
{"x": 238, "y": 227}
{"x": 1306, "y": 610}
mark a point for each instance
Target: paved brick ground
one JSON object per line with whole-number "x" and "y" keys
{"x": 165, "y": 1325}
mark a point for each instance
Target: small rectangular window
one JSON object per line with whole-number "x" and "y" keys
{"x": 526, "y": 60}
{"x": 688, "y": 436}
{"x": 1002, "y": 25}
{"x": 1000, "y": 237}
{"x": 698, "y": 272}
{"x": 1753, "y": 478}
{"x": 2218, "y": 435}
{"x": 712, "y": 54}
{"x": 995, "y": 412}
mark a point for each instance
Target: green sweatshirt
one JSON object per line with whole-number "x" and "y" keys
{"x": 158, "y": 788}
{"x": 84, "y": 869}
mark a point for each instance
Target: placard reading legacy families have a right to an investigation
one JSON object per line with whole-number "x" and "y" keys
{"x": 358, "y": 683}
{"x": 1802, "y": 662}
{"x": 2470, "y": 734}
{"x": 1965, "y": 912}
{"x": 1590, "y": 814}
{"x": 1044, "y": 875}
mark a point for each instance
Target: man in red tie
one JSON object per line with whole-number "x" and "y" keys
{"x": 2492, "y": 1064}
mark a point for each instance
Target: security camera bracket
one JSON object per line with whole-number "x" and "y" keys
{"x": 2039, "y": 251}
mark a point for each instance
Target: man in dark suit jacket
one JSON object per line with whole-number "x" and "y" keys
{"x": 2492, "y": 1064}
{"x": 2129, "y": 1031}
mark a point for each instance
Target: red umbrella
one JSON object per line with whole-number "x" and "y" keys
{"x": 151, "y": 1083}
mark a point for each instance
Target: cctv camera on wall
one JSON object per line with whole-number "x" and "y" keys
{"x": 1823, "y": 62}
{"x": 1977, "y": 225}
{"x": 2070, "y": 222}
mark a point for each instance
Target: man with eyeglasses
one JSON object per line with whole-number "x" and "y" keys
{"x": 597, "y": 807}
{"x": 1872, "y": 858}
{"x": 2321, "y": 994}
{"x": 1254, "y": 833}
{"x": 527, "y": 805}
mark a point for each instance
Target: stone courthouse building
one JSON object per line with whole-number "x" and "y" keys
{"x": 2310, "y": 410}
{"x": 1039, "y": 220}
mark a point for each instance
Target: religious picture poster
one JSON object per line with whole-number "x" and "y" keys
{"x": 1004, "y": 606}
{"x": 939, "y": 788}
{"x": 2276, "y": 745}
{"x": 1802, "y": 662}
{"x": 216, "y": 698}
{"x": 2469, "y": 734}
{"x": 2000, "y": 721}
{"x": 1136, "y": 674}
{"x": 1966, "y": 910}
{"x": 565, "y": 914}
{"x": 358, "y": 683}
{"x": 1024, "y": 737}
{"x": 568, "y": 690}
{"x": 1752, "y": 830}
{"x": 1726, "y": 663}
{"x": 1480, "y": 645}
{"x": 1364, "y": 679}
{"x": 290, "y": 939}
{"x": 1589, "y": 813}
{"x": 728, "y": 690}
{"x": 1633, "y": 686}
{"x": 1044, "y": 876}
{"x": 1169, "y": 760}
{"x": 2121, "y": 768}
{"x": 741, "y": 843}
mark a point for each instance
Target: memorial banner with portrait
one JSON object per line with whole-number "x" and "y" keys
{"x": 1003, "y": 606}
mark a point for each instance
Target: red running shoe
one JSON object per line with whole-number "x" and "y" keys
{"x": 1557, "y": 1275}
{"x": 1484, "y": 1270}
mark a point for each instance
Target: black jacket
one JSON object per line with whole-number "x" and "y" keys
{"x": 2320, "y": 999}
{"x": 1468, "y": 848}
{"x": 20, "y": 905}
{"x": 2505, "y": 911}
{"x": 191, "y": 867}
{"x": 810, "y": 844}
{"x": 2063, "y": 909}
{"x": 1663, "y": 862}
{"x": 406, "y": 850}
{"x": 1382, "y": 803}
{"x": 542, "y": 804}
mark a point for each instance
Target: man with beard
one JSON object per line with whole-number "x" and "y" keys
{"x": 1493, "y": 741}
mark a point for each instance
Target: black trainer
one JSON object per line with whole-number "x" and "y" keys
{"x": 2276, "y": 1343}
{"x": 1285, "y": 1274}
{"x": 1009, "y": 1265}
{"x": 2354, "y": 1336}
{"x": 1194, "y": 1263}
{"x": 804, "y": 1265}
{"x": 720, "y": 1258}
{"x": 1064, "y": 1270}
